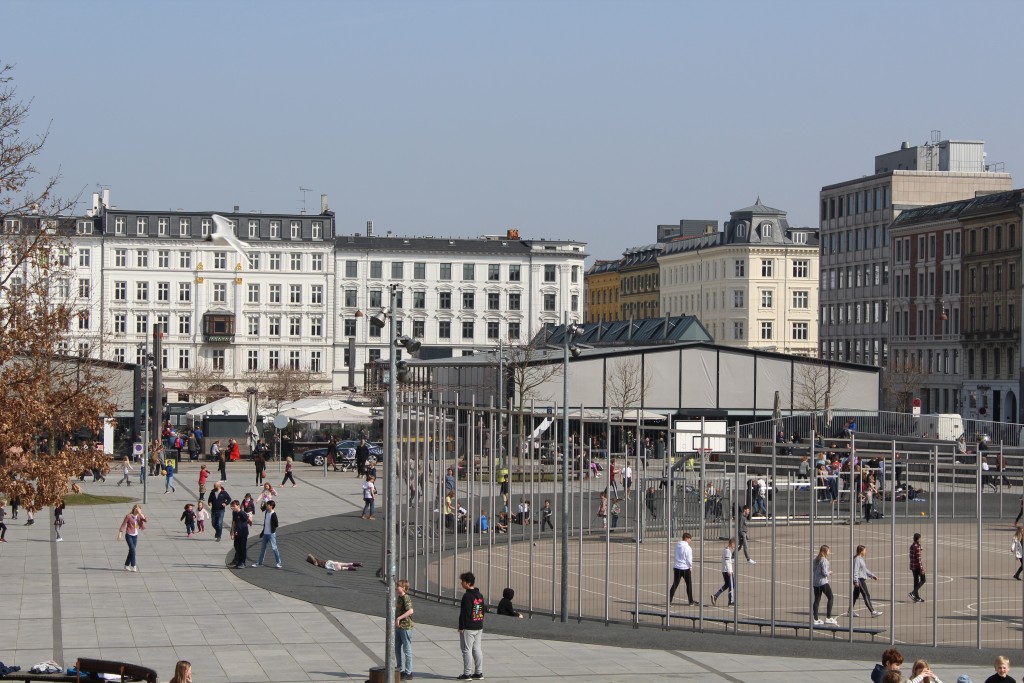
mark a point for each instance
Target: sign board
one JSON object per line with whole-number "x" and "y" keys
{"x": 688, "y": 436}
{"x": 137, "y": 449}
{"x": 915, "y": 407}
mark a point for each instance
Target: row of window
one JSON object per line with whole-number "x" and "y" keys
{"x": 144, "y": 226}
{"x": 255, "y": 359}
{"x": 983, "y": 363}
{"x": 218, "y": 292}
{"x": 855, "y": 239}
{"x": 297, "y": 262}
{"x": 398, "y": 269}
{"x": 855, "y": 203}
{"x": 799, "y": 331}
{"x": 468, "y": 328}
{"x": 854, "y": 312}
{"x": 866, "y": 275}
{"x": 865, "y": 351}
{"x": 295, "y": 326}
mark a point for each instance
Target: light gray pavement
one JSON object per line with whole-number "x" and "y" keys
{"x": 70, "y": 599}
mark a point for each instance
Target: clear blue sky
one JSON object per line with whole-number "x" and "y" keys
{"x": 585, "y": 120}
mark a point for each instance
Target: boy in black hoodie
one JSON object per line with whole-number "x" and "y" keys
{"x": 892, "y": 660}
{"x": 471, "y": 629}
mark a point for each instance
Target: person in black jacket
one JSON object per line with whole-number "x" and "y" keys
{"x": 218, "y": 501}
{"x": 239, "y": 533}
{"x": 471, "y": 628}
{"x": 505, "y": 607}
{"x": 362, "y": 455}
{"x": 269, "y": 533}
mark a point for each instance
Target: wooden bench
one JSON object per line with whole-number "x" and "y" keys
{"x": 747, "y": 621}
{"x": 129, "y": 673}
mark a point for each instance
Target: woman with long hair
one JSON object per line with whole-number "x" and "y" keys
{"x": 133, "y": 523}
{"x": 288, "y": 465}
{"x": 182, "y": 672}
{"x": 861, "y": 574}
{"x": 822, "y": 572}
{"x": 1017, "y": 548}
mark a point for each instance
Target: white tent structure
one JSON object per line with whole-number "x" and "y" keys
{"x": 342, "y": 414}
{"x": 300, "y": 409}
{"x": 230, "y": 404}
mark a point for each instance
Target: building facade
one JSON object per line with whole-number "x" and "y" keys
{"x": 299, "y": 300}
{"x": 855, "y": 246}
{"x": 603, "y": 287}
{"x": 956, "y": 307}
{"x": 752, "y": 286}
{"x": 640, "y": 282}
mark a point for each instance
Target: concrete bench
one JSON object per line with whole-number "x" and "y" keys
{"x": 746, "y": 621}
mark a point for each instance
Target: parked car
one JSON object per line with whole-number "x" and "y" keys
{"x": 346, "y": 460}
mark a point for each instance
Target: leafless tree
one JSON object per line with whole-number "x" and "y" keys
{"x": 902, "y": 381}
{"x": 814, "y": 382}
{"x": 627, "y": 384}
{"x": 281, "y": 385}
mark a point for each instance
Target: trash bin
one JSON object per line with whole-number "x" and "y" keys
{"x": 379, "y": 675}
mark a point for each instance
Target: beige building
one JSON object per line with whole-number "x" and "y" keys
{"x": 603, "y": 287}
{"x": 755, "y": 285}
{"x": 855, "y": 243}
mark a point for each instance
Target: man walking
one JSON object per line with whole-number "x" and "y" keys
{"x": 682, "y": 569}
{"x": 269, "y": 533}
{"x": 239, "y": 533}
{"x": 362, "y": 455}
{"x": 471, "y": 629}
{"x": 917, "y": 568}
{"x": 742, "y": 533}
{"x": 218, "y": 501}
{"x": 403, "y": 630}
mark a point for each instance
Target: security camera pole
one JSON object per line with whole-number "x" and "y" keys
{"x": 391, "y": 469}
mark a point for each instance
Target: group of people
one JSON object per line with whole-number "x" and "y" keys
{"x": 890, "y": 671}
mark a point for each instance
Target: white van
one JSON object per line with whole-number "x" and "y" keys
{"x": 944, "y": 427}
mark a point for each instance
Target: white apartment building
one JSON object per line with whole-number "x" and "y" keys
{"x": 755, "y": 285}
{"x": 452, "y": 294}
{"x": 300, "y": 298}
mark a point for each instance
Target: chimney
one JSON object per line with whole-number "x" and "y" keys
{"x": 95, "y": 203}
{"x": 236, "y": 208}
{"x": 369, "y": 228}
{"x": 323, "y": 204}
{"x": 106, "y": 198}
{"x": 512, "y": 233}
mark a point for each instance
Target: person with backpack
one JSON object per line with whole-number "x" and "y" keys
{"x": 471, "y": 628}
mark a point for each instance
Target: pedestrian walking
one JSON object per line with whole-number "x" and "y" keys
{"x": 15, "y": 503}
{"x": 627, "y": 479}
{"x": 288, "y": 472}
{"x": 917, "y": 568}
{"x": 504, "y": 490}
{"x": 728, "y": 557}
{"x": 1017, "y": 548}
{"x": 188, "y": 516}
{"x": 861, "y": 574}
{"x": 133, "y": 523}
{"x": 403, "y": 629}
{"x": 58, "y": 520}
{"x": 868, "y": 497}
{"x": 126, "y": 470}
{"x": 169, "y": 474}
{"x": 202, "y": 514}
{"x": 332, "y": 453}
{"x": 204, "y": 474}
{"x": 239, "y": 533}
{"x": 261, "y": 467}
{"x": 615, "y": 509}
{"x": 649, "y": 499}
{"x": 362, "y": 455}
{"x": 602, "y": 510}
{"x": 682, "y": 568}
{"x": 219, "y": 501}
{"x": 369, "y": 494}
{"x": 1020, "y": 513}
{"x": 268, "y": 493}
{"x": 471, "y": 628}
{"x": 744, "y": 524}
{"x": 3, "y": 527}
{"x": 269, "y": 533}
{"x": 222, "y": 460}
{"x": 820, "y": 581}
{"x": 545, "y": 516}
{"x": 193, "y": 446}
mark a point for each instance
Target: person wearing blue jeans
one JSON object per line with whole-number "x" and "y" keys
{"x": 269, "y": 533}
{"x": 218, "y": 501}
{"x": 169, "y": 471}
{"x": 403, "y": 630}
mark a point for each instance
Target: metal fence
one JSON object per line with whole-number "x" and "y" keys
{"x": 454, "y": 461}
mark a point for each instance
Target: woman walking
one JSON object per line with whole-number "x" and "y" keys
{"x": 868, "y": 497}
{"x": 288, "y": 472}
{"x": 1017, "y": 548}
{"x": 728, "y": 553}
{"x": 861, "y": 574}
{"x": 58, "y": 520}
{"x": 126, "y": 470}
{"x": 822, "y": 572}
{"x": 261, "y": 467}
{"x": 133, "y": 523}
{"x": 369, "y": 493}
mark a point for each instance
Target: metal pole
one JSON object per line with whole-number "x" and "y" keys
{"x": 934, "y": 471}
{"x": 389, "y": 495}
{"x": 853, "y": 520}
{"x": 147, "y": 418}
{"x": 564, "y": 607}
{"x": 892, "y": 542}
{"x": 813, "y": 495}
{"x": 157, "y": 376}
{"x": 979, "y": 486}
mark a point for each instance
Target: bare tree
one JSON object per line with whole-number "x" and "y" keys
{"x": 901, "y": 382}
{"x": 627, "y": 384}
{"x": 198, "y": 379}
{"x": 525, "y": 377}
{"x": 814, "y": 383}
{"x": 280, "y": 385}
{"x": 59, "y": 400}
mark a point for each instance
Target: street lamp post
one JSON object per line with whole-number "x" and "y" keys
{"x": 571, "y": 329}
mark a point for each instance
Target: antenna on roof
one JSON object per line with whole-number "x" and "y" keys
{"x": 304, "y": 190}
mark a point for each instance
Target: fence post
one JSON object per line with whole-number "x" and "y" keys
{"x": 892, "y": 554}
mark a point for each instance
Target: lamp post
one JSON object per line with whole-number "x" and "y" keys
{"x": 391, "y": 468}
{"x": 571, "y": 329}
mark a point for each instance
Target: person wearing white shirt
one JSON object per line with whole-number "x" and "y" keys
{"x": 627, "y": 479}
{"x": 681, "y": 569}
{"x": 727, "y": 569}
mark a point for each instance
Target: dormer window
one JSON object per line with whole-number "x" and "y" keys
{"x": 766, "y": 230}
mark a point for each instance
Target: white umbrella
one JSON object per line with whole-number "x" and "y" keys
{"x": 777, "y": 411}
{"x": 252, "y": 431}
{"x": 339, "y": 414}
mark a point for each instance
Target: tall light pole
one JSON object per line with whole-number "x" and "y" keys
{"x": 571, "y": 329}
{"x": 391, "y": 469}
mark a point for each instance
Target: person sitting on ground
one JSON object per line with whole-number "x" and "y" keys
{"x": 922, "y": 673}
{"x": 332, "y": 565}
{"x": 501, "y": 523}
{"x": 505, "y": 607}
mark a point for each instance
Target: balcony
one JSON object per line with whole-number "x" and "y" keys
{"x": 219, "y": 327}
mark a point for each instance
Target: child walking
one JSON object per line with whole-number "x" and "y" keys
{"x": 58, "y": 520}
{"x": 204, "y": 474}
{"x": 201, "y": 516}
{"x": 189, "y": 517}
{"x": 126, "y": 470}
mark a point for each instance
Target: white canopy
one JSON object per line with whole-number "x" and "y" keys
{"x": 347, "y": 413}
{"x": 233, "y": 406}
{"x": 298, "y": 410}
